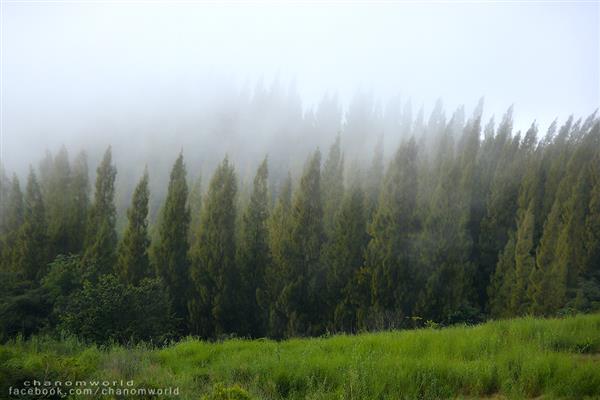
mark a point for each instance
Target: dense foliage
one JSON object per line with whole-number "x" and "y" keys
{"x": 463, "y": 224}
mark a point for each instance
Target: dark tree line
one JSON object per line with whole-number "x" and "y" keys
{"x": 464, "y": 223}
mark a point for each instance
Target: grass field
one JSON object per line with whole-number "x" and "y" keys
{"x": 521, "y": 358}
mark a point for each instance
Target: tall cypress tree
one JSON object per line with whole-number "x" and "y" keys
{"x": 524, "y": 262}
{"x": 333, "y": 184}
{"x": 170, "y": 256}
{"x": 543, "y": 282}
{"x": 253, "y": 256}
{"x": 79, "y": 192}
{"x": 344, "y": 256}
{"x": 502, "y": 281}
{"x": 374, "y": 179}
{"x": 513, "y": 298}
{"x": 301, "y": 297}
{"x": 57, "y": 198}
{"x": 133, "y": 263}
{"x": 503, "y": 174}
{"x": 572, "y": 250}
{"x": 390, "y": 253}
{"x": 101, "y": 240}
{"x": 556, "y": 159}
{"x": 276, "y": 272}
{"x": 15, "y": 207}
{"x": 31, "y": 256}
{"x": 448, "y": 235}
{"x": 215, "y": 310}
{"x": 13, "y": 223}
{"x": 195, "y": 205}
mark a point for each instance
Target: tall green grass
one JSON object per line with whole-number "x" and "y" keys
{"x": 521, "y": 358}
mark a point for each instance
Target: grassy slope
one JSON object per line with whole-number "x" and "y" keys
{"x": 522, "y": 358}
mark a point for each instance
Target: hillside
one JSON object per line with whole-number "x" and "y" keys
{"x": 520, "y": 358}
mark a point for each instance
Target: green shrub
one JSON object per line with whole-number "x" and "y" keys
{"x": 24, "y": 309}
{"x": 109, "y": 311}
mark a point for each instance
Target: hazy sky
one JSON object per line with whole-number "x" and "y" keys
{"x": 66, "y": 64}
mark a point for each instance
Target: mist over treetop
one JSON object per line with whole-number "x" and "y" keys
{"x": 86, "y": 75}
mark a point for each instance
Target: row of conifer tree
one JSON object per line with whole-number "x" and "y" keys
{"x": 462, "y": 224}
